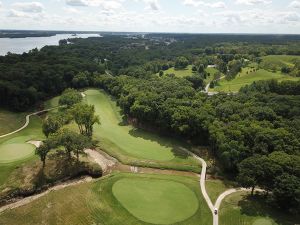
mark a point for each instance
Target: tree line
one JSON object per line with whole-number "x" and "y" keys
{"x": 255, "y": 134}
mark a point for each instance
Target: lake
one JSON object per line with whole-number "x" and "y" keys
{"x": 20, "y": 45}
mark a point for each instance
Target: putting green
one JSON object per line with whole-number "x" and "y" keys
{"x": 156, "y": 201}
{"x": 14, "y": 152}
{"x": 134, "y": 142}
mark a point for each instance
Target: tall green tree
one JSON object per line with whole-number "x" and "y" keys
{"x": 85, "y": 118}
{"x": 72, "y": 142}
{"x": 70, "y": 97}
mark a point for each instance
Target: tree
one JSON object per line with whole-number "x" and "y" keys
{"x": 70, "y": 97}
{"x": 181, "y": 63}
{"x": 51, "y": 125}
{"x": 161, "y": 73}
{"x": 72, "y": 142}
{"x": 201, "y": 68}
{"x": 250, "y": 172}
{"x": 42, "y": 151}
{"x": 81, "y": 80}
{"x": 85, "y": 118}
{"x": 287, "y": 192}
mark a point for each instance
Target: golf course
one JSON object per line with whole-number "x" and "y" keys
{"x": 132, "y": 145}
{"x": 247, "y": 77}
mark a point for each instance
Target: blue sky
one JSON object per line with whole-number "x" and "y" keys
{"x": 193, "y": 16}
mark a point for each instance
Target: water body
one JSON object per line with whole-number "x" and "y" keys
{"x": 21, "y": 45}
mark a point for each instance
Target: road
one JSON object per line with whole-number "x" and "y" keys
{"x": 27, "y": 122}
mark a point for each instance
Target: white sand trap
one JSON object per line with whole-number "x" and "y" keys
{"x": 35, "y": 143}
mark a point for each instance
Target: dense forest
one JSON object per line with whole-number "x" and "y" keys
{"x": 254, "y": 133}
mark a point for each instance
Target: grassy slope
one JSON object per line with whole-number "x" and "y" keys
{"x": 94, "y": 203}
{"x": 243, "y": 79}
{"x": 10, "y": 121}
{"x": 180, "y": 73}
{"x": 277, "y": 61}
{"x": 216, "y": 187}
{"x": 32, "y": 132}
{"x": 135, "y": 146}
{"x": 238, "y": 209}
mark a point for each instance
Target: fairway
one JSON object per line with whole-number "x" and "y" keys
{"x": 95, "y": 203}
{"x": 120, "y": 139}
{"x": 244, "y": 78}
{"x": 156, "y": 201}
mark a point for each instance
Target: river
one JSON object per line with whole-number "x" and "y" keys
{"x": 20, "y": 45}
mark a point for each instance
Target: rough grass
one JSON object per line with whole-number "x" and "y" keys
{"x": 10, "y": 121}
{"x": 135, "y": 146}
{"x": 243, "y": 79}
{"x": 156, "y": 201}
{"x": 240, "y": 209}
{"x": 180, "y": 73}
{"x": 94, "y": 203}
{"x": 10, "y": 160}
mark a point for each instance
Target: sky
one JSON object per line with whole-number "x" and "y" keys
{"x": 180, "y": 16}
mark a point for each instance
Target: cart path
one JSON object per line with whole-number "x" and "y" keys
{"x": 27, "y": 121}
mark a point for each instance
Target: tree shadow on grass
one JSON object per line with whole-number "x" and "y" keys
{"x": 176, "y": 147}
{"x": 258, "y": 205}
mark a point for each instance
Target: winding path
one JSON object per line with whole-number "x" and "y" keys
{"x": 106, "y": 162}
{"x": 27, "y": 121}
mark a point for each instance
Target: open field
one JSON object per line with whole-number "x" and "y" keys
{"x": 95, "y": 203}
{"x": 14, "y": 150}
{"x": 135, "y": 146}
{"x": 180, "y": 73}
{"x": 10, "y": 121}
{"x": 276, "y": 62}
{"x": 240, "y": 209}
{"x": 244, "y": 78}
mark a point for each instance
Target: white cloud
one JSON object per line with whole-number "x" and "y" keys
{"x": 28, "y": 7}
{"x": 253, "y": 2}
{"x": 76, "y": 2}
{"x": 105, "y": 4}
{"x": 152, "y": 4}
{"x": 197, "y": 3}
{"x": 295, "y": 4}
